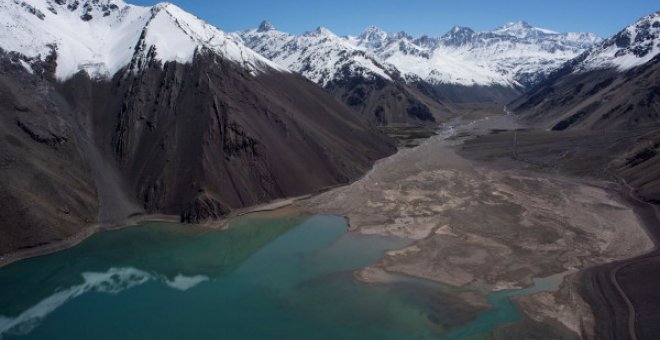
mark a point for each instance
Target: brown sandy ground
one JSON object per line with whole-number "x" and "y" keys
{"x": 491, "y": 225}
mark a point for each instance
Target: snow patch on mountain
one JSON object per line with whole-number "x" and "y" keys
{"x": 633, "y": 46}
{"x": 103, "y": 36}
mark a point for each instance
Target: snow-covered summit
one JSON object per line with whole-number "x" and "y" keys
{"x": 373, "y": 37}
{"x": 515, "y": 54}
{"x": 103, "y": 36}
{"x": 320, "y": 32}
{"x": 521, "y": 30}
{"x": 319, "y": 55}
{"x": 631, "y": 47}
{"x": 265, "y": 26}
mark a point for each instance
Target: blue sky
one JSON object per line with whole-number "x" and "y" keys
{"x": 434, "y": 17}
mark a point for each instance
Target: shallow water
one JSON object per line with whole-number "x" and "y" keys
{"x": 284, "y": 277}
{"x": 503, "y": 311}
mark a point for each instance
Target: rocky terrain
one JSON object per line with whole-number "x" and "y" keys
{"x": 47, "y": 186}
{"x": 103, "y": 120}
{"x": 374, "y": 89}
{"x": 164, "y": 134}
{"x": 394, "y": 78}
{"x": 612, "y": 89}
{"x": 605, "y": 104}
{"x": 493, "y": 224}
{"x": 564, "y": 184}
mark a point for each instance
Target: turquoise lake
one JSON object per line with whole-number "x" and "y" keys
{"x": 275, "y": 278}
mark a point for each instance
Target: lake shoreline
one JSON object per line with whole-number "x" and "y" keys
{"x": 142, "y": 278}
{"x": 137, "y": 220}
{"x": 539, "y": 211}
{"x": 81, "y": 236}
{"x": 526, "y": 303}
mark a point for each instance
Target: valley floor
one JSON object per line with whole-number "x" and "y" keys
{"x": 491, "y": 224}
{"x": 483, "y": 221}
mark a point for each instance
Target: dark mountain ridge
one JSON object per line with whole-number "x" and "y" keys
{"x": 196, "y": 140}
{"x": 611, "y": 88}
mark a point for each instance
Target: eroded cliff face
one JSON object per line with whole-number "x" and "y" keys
{"x": 47, "y": 189}
{"x": 196, "y": 140}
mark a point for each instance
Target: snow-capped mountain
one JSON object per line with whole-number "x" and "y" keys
{"x": 319, "y": 55}
{"x": 176, "y": 118}
{"x": 497, "y": 64}
{"x": 103, "y": 36}
{"x": 514, "y": 55}
{"x": 599, "y": 89}
{"x": 631, "y": 47}
{"x": 350, "y": 72}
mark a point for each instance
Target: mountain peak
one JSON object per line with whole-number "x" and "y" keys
{"x": 320, "y": 31}
{"x": 459, "y": 30}
{"x": 372, "y": 30}
{"x": 653, "y": 17}
{"x": 402, "y": 35}
{"x": 107, "y": 42}
{"x": 162, "y": 6}
{"x": 633, "y": 46}
{"x": 373, "y": 33}
{"x": 458, "y": 35}
{"x": 521, "y": 29}
{"x": 516, "y": 25}
{"x": 265, "y": 26}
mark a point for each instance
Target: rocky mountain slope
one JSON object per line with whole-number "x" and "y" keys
{"x": 353, "y": 75}
{"x": 611, "y": 87}
{"x": 142, "y": 127}
{"x": 47, "y": 186}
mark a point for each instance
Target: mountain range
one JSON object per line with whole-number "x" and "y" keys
{"x": 612, "y": 88}
{"x": 113, "y": 110}
{"x": 110, "y": 110}
{"x": 462, "y": 66}
{"x": 112, "y": 113}
{"x": 514, "y": 55}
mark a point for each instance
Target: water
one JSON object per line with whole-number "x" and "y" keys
{"x": 275, "y": 277}
{"x": 503, "y": 311}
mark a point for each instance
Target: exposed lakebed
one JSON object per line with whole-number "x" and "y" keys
{"x": 265, "y": 277}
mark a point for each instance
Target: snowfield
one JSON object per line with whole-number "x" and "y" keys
{"x": 514, "y": 55}
{"x": 101, "y": 36}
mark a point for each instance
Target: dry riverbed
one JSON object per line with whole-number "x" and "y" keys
{"x": 489, "y": 225}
